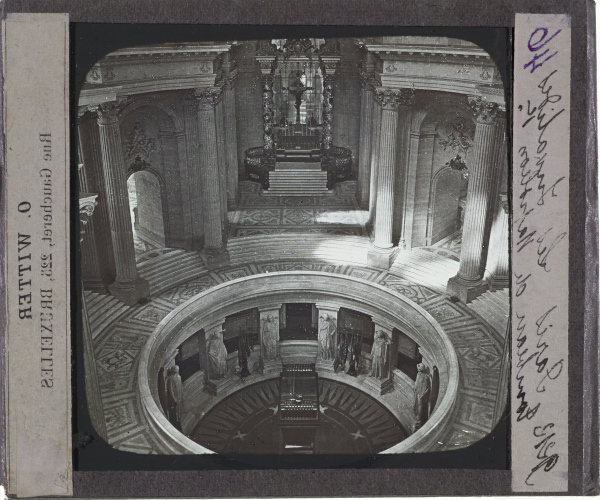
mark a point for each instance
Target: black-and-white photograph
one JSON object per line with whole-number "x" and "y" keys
{"x": 295, "y": 246}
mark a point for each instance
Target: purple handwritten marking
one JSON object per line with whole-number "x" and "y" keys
{"x": 534, "y": 45}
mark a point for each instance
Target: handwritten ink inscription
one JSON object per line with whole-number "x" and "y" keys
{"x": 540, "y": 251}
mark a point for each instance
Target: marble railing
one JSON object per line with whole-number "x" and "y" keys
{"x": 298, "y": 286}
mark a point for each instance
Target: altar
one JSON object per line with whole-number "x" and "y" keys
{"x": 298, "y": 157}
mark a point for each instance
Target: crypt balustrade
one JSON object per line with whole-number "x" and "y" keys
{"x": 391, "y": 311}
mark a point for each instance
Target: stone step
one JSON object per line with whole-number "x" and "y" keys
{"x": 293, "y": 182}
{"x": 491, "y": 306}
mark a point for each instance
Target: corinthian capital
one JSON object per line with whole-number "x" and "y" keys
{"x": 393, "y": 98}
{"x": 207, "y": 97}
{"x": 108, "y": 112}
{"x": 485, "y": 111}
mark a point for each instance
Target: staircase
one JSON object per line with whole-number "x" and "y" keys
{"x": 297, "y": 182}
{"x": 494, "y": 306}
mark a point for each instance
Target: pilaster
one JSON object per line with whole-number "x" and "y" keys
{"x": 128, "y": 286}
{"x": 87, "y": 203}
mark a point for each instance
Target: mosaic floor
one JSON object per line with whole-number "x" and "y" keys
{"x": 332, "y": 214}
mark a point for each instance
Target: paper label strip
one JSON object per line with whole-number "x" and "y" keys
{"x": 540, "y": 251}
{"x": 37, "y": 254}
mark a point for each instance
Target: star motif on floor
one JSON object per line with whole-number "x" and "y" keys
{"x": 239, "y": 435}
{"x": 357, "y": 434}
{"x": 322, "y": 409}
{"x": 275, "y": 409}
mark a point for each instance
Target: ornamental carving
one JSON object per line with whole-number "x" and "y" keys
{"x": 369, "y": 80}
{"x": 108, "y": 111}
{"x": 208, "y": 97}
{"x": 331, "y": 47}
{"x": 266, "y": 48}
{"x": 458, "y": 135}
{"x": 301, "y": 47}
{"x": 138, "y": 146}
{"x": 393, "y": 98}
{"x": 485, "y": 111}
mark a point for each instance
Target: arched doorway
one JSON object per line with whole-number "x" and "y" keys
{"x": 146, "y": 208}
{"x": 445, "y": 215}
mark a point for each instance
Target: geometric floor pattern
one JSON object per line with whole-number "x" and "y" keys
{"x": 350, "y": 421}
{"x": 335, "y": 213}
{"x": 120, "y": 332}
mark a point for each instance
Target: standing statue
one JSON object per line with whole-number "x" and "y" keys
{"x": 327, "y": 329}
{"x": 380, "y": 351}
{"x": 422, "y": 394}
{"x": 217, "y": 356}
{"x": 174, "y": 397}
{"x": 269, "y": 336}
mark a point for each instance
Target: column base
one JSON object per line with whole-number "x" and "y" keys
{"x": 380, "y": 386}
{"x": 130, "y": 293}
{"x": 381, "y": 258}
{"x": 215, "y": 257}
{"x": 272, "y": 365}
{"x": 465, "y": 292}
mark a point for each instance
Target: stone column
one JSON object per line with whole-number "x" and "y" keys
{"x": 375, "y": 135}
{"x": 501, "y": 278}
{"x": 220, "y": 134}
{"x": 468, "y": 283}
{"x": 402, "y": 165}
{"x": 367, "y": 105}
{"x": 229, "y": 121}
{"x": 380, "y": 380}
{"x": 270, "y": 357}
{"x": 214, "y": 251}
{"x": 128, "y": 286}
{"x": 87, "y": 203}
{"x": 327, "y": 325}
{"x": 192, "y": 146}
{"x": 381, "y": 253}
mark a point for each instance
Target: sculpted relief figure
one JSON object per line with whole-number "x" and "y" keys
{"x": 217, "y": 355}
{"x": 327, "y": 329}
{"x": 380, "y": 351}
{"x": 270, "y": 332}
{"x": 422, "y": 395}
{"x": 174, "y": 397}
